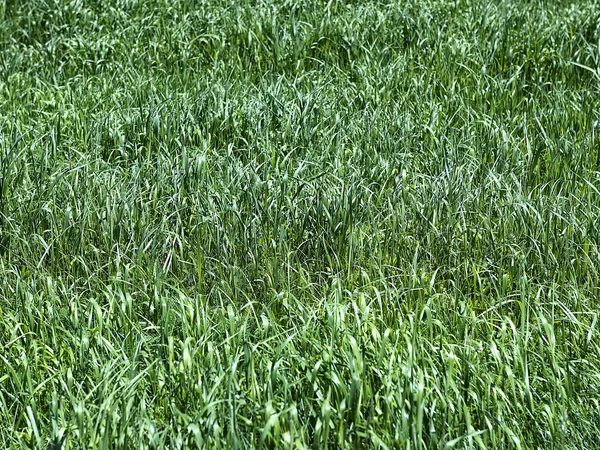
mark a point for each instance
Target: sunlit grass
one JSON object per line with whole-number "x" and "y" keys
{"x": 299, "y": 224}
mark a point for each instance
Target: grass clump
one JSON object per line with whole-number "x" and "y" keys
{"x": 299, "y": 224}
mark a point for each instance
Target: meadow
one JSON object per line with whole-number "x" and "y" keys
{"x": 299, "y": 224}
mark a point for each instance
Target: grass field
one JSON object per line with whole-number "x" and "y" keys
{"x": 299, "y": 224}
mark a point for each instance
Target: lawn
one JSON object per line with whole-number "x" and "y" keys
{"x": 299, "y": 224}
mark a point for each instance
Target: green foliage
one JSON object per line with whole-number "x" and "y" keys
{"x": 299, "y": 224}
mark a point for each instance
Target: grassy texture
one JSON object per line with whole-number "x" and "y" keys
{"x": 299, "y": 224}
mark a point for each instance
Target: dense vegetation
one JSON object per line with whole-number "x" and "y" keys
{"x": 299, "y": 224}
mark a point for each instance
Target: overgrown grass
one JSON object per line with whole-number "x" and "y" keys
{"x": 299, "y": 224}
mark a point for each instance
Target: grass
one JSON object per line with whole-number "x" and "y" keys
{"x": 299, "y": 224}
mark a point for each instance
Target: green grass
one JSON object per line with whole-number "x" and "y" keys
{"x": 299, "y": 224}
